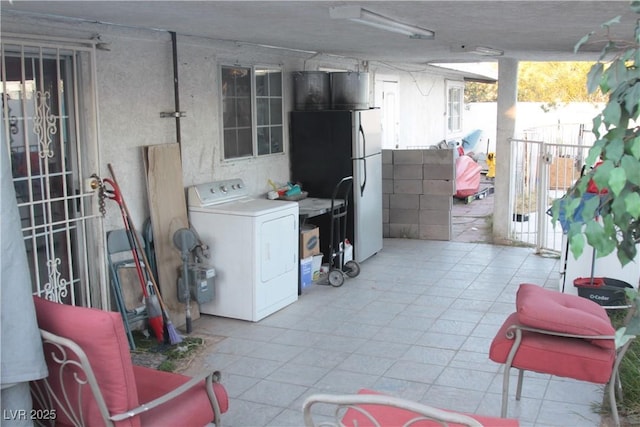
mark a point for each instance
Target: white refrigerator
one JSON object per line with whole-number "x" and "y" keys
{"x": 328, "y": 145}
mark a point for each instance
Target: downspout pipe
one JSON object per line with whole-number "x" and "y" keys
{"x": 176, "y": 88}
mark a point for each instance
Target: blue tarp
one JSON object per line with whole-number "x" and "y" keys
{"x": 470, "y": 141}
{"x": 577, "y": 214}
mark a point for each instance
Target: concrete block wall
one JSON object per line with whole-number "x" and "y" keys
{"x": 417, "y": 193}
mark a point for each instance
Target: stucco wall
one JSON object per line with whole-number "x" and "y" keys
{"x": 135, "y": 84}
{"x": 133, "y": 78}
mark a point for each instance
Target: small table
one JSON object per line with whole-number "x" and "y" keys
{"x": 314, "y": 206}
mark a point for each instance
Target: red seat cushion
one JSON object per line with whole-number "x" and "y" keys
{"x": 195, "y": 409}
{"x": 554, "y": 311}
{"x": 387, "y": 416}
{"x": 564, "y": 357}
{"x": 101, "y": 335}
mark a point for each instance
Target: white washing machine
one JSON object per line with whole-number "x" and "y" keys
{"x": 253, "y": 245}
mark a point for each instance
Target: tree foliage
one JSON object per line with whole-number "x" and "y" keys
{"x": 609, "y": 221}
{"x": 480, "y": 92}
{"x": 555, "y": 82}
{"x": 550, "y": 82}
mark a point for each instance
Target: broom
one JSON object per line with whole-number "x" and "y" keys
{"x": 170, "y": 334}
{"x": 153, "y": 312}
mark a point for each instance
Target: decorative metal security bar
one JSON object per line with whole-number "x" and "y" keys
{"x": 546, "y": 162}
{"x": 49, "y": 119}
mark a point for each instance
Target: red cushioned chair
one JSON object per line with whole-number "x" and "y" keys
{"x": 372, "y": 409}
{"x": 559, "y": 334}
{"x": 92, "y": 381}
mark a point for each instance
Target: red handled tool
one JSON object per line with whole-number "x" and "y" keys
{"x": 153, "y": 307}
{"x": 171, "y": 335}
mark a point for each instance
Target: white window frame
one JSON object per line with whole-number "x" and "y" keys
{"x": 453, "y": 121}
{"x": 253, "y": 96}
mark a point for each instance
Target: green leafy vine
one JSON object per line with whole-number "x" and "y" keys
{"x": 610, "y": 220}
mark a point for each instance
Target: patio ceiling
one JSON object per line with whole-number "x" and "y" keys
{"x": 525, "y": 30}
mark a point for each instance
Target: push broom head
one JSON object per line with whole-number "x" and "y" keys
{"x": 169, "y": 333}
{"x": 155, "y": 317}
{"x": 172, "y": 333}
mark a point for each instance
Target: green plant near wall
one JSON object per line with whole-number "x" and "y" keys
{"x": 610, "y": 222}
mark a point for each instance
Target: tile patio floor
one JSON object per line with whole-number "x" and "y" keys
{"x": 416, "y": 323}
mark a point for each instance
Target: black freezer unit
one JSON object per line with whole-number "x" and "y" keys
{"x": 329, "y": 145}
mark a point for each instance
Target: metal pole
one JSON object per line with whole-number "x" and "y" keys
{"x": 176, "y": 89}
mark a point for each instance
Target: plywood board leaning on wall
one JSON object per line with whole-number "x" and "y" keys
{"x": 168, "y": 211}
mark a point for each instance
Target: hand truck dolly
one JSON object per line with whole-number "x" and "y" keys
{"x": 339, "y": 269}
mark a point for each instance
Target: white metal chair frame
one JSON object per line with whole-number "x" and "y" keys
{"x": 69, "y": 356}
{"x": 614, "y": 386}
{"x": 354, "y": 401}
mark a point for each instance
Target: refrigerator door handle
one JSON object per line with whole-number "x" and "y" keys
{"x": 364, "y": 141}
{"x": 364, "y": 176}
{"x": 363, "y": 155}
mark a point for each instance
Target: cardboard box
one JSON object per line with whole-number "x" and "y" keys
{"x": 309, "y": 241}
{"x": 306, "y": 277}
{"x": 315, "y": 267}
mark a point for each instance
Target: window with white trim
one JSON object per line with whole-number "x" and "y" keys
{"x": 252, "y": 111}
{"x": 455, "y": 99}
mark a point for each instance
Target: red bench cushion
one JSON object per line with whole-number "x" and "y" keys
{"x": 387, "y": 416}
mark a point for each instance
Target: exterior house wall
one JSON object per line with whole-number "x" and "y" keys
{"x": 422, "y": 110}
{"x": 135, "y": 84}
{"x": 134, "y": 80}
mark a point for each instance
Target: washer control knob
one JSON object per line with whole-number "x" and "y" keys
{"x": 223, "y": 188}
{"x": 212, "y": 190}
